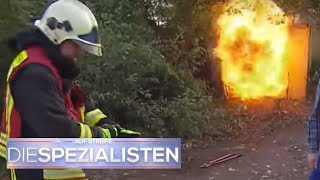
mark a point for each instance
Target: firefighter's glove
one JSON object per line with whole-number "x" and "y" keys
{"x": 126, "y": 133}
{"x": 108, "y": 131}
{"x": 116, "y": 131}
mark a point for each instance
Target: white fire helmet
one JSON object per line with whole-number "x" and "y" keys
{"x": 71, "y": 20}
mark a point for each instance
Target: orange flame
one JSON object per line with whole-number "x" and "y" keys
{"x": 252, "y": 45}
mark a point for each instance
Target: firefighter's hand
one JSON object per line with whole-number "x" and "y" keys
{"x": 108, "y": 131}
{"x": 312, "y": 160}
{"x": 120, "y": 132}
{"x": 126, "y": 133}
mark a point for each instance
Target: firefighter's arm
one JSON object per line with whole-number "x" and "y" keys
{"x": 42, "y": 109}
{"x": 98, "y": 118}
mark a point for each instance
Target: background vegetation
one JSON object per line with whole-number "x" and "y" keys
{"x": 157, "y": 73}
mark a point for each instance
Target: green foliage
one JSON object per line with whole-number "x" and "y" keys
{"x": 134, "y": 84}
{"x": 185, "y": 36}
{"x": 147, "y": 77}
{"x": 10, "y": 23}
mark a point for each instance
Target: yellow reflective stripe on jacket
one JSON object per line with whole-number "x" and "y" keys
{"x": 63, "y": 174}
{"x": 93, "y": 117}
{"x": 16, "y": 62}
{"x": 107, "y": 134}
{"x": 21, "y": 57}
{"x": 9, "y": 100}
{"x": 13, "y": 174}
{"x": 85, "y": 131}
{"x": 9, "y": 106}
{"x": 3, "y": 141}
{"x": 3, "y": 152}
{"x": 3, "y": 138}
{"x": 82, "y": 109}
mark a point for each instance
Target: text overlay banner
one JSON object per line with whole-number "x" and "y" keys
{"x": 116, "y": 153}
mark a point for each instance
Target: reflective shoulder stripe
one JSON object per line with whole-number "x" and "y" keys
{"x": 85, "y": 131}
{"x": 93, "y": 117}
{"x": 22, "y": 56}
{"x": 63, "y": 174}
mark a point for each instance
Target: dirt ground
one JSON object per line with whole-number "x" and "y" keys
{"x": 273, "y": 148}
{"x": 272, "y": 142}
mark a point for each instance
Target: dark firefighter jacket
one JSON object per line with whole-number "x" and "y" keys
{"x": 40, "y": 104}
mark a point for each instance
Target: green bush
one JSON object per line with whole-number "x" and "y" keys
{"x": 144, "y": 81}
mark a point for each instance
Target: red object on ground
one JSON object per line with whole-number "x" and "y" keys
{"x": 220, "y": 160}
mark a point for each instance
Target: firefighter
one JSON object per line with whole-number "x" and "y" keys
{"x": 40, "y": 98}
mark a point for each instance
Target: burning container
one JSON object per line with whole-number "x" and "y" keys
{"x": 263, "y": 52}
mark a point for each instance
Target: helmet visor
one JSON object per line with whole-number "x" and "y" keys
{"x": 90, "y": 42}
{"x": 94, "y": 49}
